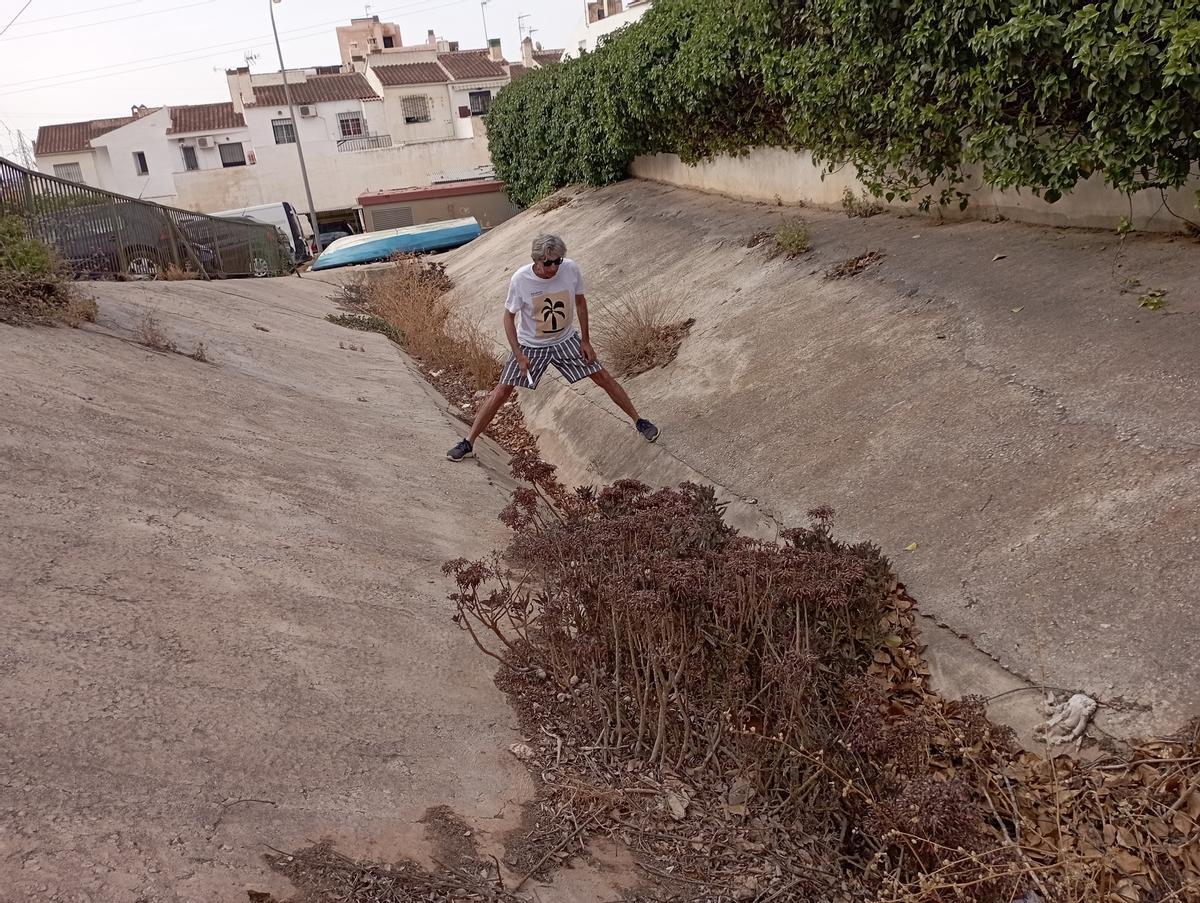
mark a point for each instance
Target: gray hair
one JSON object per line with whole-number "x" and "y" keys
{"x": 548, "y": 247}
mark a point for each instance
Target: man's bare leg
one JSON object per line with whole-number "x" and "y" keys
{"x": 488, "y": 410}
{"x": 605, "y": 381}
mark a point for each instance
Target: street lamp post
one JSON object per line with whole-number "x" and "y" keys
{"x": 287, "y": 91}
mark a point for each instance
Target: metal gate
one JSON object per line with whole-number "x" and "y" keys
{"x": 98, "y": 234}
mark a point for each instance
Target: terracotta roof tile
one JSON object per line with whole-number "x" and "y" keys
{"x": 516, "y": 70}
{"x": 205, "y": 117}
{"x": 317, "y": 89}
{"x": 72, "y": 137}
{"x": 471, "y": 64}
{"x": 411, "y": 74}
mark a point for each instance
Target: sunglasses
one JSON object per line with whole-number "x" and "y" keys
{"x": 552, "y": 263}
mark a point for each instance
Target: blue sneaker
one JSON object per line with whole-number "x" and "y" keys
{"x": 461, "y": 452}
{"x": 648, "y": 430}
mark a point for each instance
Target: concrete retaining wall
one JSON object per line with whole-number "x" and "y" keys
{"x": 791, "y": 177}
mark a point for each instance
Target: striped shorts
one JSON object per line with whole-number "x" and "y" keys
{"x": 566, "y": 355}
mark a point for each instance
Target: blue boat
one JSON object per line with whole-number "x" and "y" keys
{"x": 373, "y": 246}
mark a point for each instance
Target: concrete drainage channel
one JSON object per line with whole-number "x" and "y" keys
{"x": 927, "y": 400}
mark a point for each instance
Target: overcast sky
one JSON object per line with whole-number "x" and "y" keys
{"x": 71, "y": 60}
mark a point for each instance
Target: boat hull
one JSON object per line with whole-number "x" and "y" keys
{"x": 374, "y": 246}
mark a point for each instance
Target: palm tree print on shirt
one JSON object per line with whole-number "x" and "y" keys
{"x": 552, "y": 313}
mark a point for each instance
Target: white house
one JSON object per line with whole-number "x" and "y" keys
{"x": 397, "y": 117}
{"x": 603, "y": 18}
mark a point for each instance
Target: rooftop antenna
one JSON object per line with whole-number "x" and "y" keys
{"x": 250, "y": 57}
{"x": 521, "y": 25}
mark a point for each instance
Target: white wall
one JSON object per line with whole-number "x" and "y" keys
{"x": 208, "y": 157}
{"x": 460, "y": 96}
{"x": 442, "y": 116}
{"x": 85, "y": 159}
{"x": 116, "y": 166}
{"x": 791, "y": 177}
{"x": 320, "y": 132}
{"x": 337, "y": 178}
{"x": 587, "y": 36}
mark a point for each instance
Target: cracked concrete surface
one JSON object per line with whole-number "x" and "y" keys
{"x": 1020, "y": 419}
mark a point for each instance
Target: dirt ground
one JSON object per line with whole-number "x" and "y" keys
{"x": 987, "y": 401}
{"x": 224, "y": 617}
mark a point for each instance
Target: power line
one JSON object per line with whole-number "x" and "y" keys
{"x": 295, "y": 33}
{"x": 82, "y": 12}
{"x": 239, "y": 44}
{"x": 157, "y": 12}
{"x": 13, "y": 20}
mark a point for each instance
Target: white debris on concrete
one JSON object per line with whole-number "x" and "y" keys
{"x": 523, "y": 751}
{"x": 1067, "y": 720}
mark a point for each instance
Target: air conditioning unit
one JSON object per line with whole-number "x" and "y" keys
{"x": 204, "y": 142}
{"x": 308, "y": 112}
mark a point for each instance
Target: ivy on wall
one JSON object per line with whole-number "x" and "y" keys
{"x": 1038, "y": 93}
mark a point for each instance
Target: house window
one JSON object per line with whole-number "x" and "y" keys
{"x": 351, "y": 125}
{"x": 285, "y": 131}
{"x": 233, "y": 155}
{"x": 140, "y": 164}
{"x": 72, "y": 172}
{"x": 481, "y": 102}
{"x": 389, "y": 41}
{"x": 416, "y": 109}
{"x": 190, "y": 163}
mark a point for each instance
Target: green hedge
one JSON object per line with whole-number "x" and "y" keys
{"x": 20, "y": 252}
{"x": 1040, "y": 93}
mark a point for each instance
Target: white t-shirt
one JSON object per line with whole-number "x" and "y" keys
{"x": 544, "y": 308}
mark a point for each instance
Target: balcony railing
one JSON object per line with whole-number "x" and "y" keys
{"x": 364, "y": 142}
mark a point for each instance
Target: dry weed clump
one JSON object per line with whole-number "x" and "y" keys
{"x": 149, "y": 332}
{"x": 753, "y": 719}
{"x": 861, "y": 207}
{"x": 33, "y": 288}
{"x": 322, "y": 873}
{"x": 413, "y": 296}
{"x": 852, "y": 266}
{"x": 80, "y": 310}
{"x": 552, "y": 203}
{"x": 640, "y": 332}
{"x": 175, "y": 273}
{"x": 791, "y": 239}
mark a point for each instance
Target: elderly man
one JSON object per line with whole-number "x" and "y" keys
{"x": 546, "y": 321}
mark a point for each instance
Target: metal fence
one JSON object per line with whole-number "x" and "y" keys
{"x": 99, "y": 234}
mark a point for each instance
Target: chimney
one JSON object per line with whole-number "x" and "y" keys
{"x": 431, "y": 39}
{"x": 495, "y": 53}
{"x": 527, "y": 52}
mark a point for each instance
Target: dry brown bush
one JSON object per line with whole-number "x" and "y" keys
{"x": 414, "y": 297}
{"x": 34, "y": 290}
{"x": 80, "y": 310}
{"x": 175, "y": 273}
{"x": 149, "y": 332}
{"x": 640, "y": 331}
{"x": 757, "y": 717}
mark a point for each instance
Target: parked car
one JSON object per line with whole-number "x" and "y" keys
{"x": 259, "y": 250}
{"x": 294, "y": 228}
{"x": 135, "y": 239}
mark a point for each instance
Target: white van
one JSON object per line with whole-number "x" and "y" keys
{"x": 282, "y": 216}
